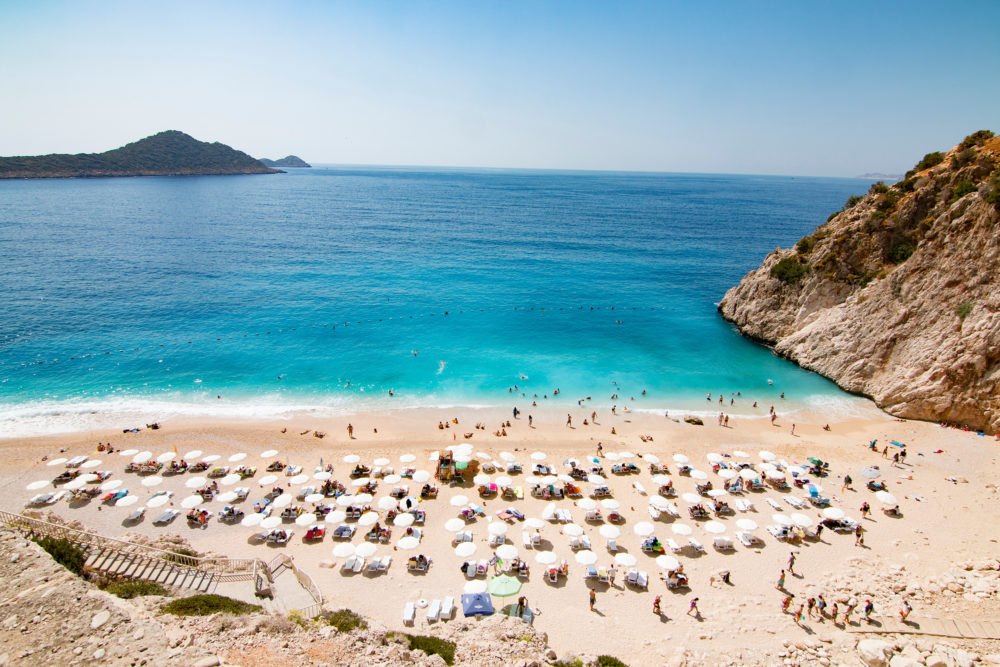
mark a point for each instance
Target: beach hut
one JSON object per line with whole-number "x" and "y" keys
{"x": 477, "y": 604}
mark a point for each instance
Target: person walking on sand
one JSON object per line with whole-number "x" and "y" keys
{"x": 593, "y": 599}
{"x": 791, "y": 562}
{"x": 800, "y": 615}
{"x": 869, "y": 610}
{"x": 350, "y": 431}
{"x": 905, "y": 611}
{"x": 787, "y": 602}
{"x": 693, "y": 610}
{"x": 859, "y": 536}
{"x": 865, "y": 509}
{"x": 847, "y": 483}
{"x": 781, "y": 581}
{"x": 656, "y": 606}
{"x": 833, "y": 613}
{"x": 569, "y": 420}
{"x": 793, "y": 429}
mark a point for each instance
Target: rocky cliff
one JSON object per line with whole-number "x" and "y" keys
{"x": 896, "y": 296}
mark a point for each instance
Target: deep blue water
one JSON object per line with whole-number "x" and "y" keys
{"x": 243, "y": 287}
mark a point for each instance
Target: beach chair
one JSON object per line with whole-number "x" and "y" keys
{"x": 497, "y": 540}
{"x": 433, "y": 611}
{"x": 383, "y": 565}
{"x": 359, "y": 565}
{"x": 640, "y": 488}
{"x": 536, "y": 540}
{"x": 470, "y": 569}
{"x": 409, "y": 613}
{"x": 612, "y": 546}
{"x": 743, "y": 505}
{"x": 447, "y": 608}
{"x": 349, "y": 564}
{"x": 654, "y": 513}
{"x": 676, "y": 548}
{"x": 642, "y": 581}
{"x": 482, "y": 567}
{"x": 778, "y": 532}
{"x": 603, "y": 575}
{"x": 773, "y": 503}
{"x": 722, "y": 543}
{"x": 632, "y": 577}
{"x": 696, "y": 545}
{"x": 591, "y": 572}
{"x": 553, "y": 575}
{"x": 526, "y": 540}
{"x": 564, "y": 515}
{"x": 745, "y": 538}
{"x": 519, "y": 492}
{"x": 594, "y": 515}
{"x": 576, "y": 543}
{"x": 797, "y": 503}
{"x": 462, "y": 536}
{"x": 374, "y": 564}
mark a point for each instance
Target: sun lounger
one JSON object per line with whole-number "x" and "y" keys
{"x": 409, "y": 613}
{"x": 526, "y": 540}
{"x": 497, "y": 540}
{"x": 654, "y": 513}
{"x": 696, "y": 545}
{"x": 797, "y": 503}
{"x": 359, "y": 564}
{"x": 612, "y": 546}
{"x": 603, "y": 575}
{"x": 470, "y": 569}
{"x": 447, "y": 608}
{"x": 591, "y": 572}
{"x": 564, "y": 515}
{"x": 746, "y": 539}
{"x": 778, "y": 532}
{"x": 166, "y": 517}
{"x": 743, "y": 505}
{"x": 349, "y": 564}
{"x": 773, "y": 503}
{"x": 673, "y": 511}
{"x": 723, "y": 543}
{"x": 640, "y": 488}
{"x": 76, "y": 461}
{"x": 536, "y": 540}
{"x": 433, "y": 611}
{"x": 373, "y": 565}
{"x": 676, "y": 548}
{"x": 462, "y": 536}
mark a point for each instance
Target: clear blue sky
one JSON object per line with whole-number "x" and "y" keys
{"x": 813, "y": 88}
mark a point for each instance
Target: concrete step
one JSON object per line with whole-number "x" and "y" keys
{"x": 94, "y": 557}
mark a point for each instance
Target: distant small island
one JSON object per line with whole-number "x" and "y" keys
{"x": 169, "y": 153}
{"x": 291, "y": 162}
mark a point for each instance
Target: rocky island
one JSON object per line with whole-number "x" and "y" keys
{"x": 289, "y": 162}
{"x": 896, "y": 296}
{"x": 169, "y": 153}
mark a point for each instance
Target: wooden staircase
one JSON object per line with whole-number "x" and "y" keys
{"x": 159, "y": 570}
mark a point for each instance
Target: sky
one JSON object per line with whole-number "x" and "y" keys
{"x": 797, "y": 88}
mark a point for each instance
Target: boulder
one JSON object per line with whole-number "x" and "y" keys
{"x": 874, "y": 652}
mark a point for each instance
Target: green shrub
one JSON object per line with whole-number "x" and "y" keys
{"x": 609, "y": 661}
{"x": 344, "y": 620}
{"x": 575, "y": 662}
{"x": 878, "y": 188}
{"x": 805, "y": 245}
{"x": 433, "y": 646}
{"x": 963, "y": 188}
{"x": 963, "y": 310}
{"x": 852, "y": 201}
{"x": 993, "y": 194}
{"x": 204, "y": 605}
{"x": 962, "y": 158}
{"x": 64, "y": 552}
{"x": 901, "y": 251}
{"x": 136, "y": 589}
{"x": 789, "y": 270}
{"x": 930, "y": 160}
{"x": 975, "y": 139}
{"x": 908, "y": 184}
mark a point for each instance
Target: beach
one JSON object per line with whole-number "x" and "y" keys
{"x": 944, "y": 488}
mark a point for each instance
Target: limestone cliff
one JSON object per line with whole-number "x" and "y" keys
{"x": 896, "y": 296}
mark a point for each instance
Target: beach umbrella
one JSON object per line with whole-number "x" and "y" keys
{"x": 284, "y": 500}
{"x": 624, "y": 559}
{"x": 681, "y": 529}
{"x": 834, "y": 513}
{"x": 549, "y": 512}
{"x": 626, "y": 455}
{"x": 814, "y": 489}
{"x": 609, "y": 531}
{"x": 746, "y": 524}
{"x": 165, "y": 457}
{"x": 251, "y": 520}
{"x": 699, "y": 474}
{"x": 594, "y": 478}
{"x": 764, "y": 467}
{"x": 563, "y": 478}
{"x": 322, "y": 476}
{"x": 211, "y": 458}
{"x": 475, "y": 587}
{"x": 728, "y": 473}
{"x": 572, "y": 529}
{"x": 585, "y": 557}
{"x": 538, "y": 456}
{"x": 408, "y": 458}
{"x": 195, "y": 482}
{"x": 408, "y": 503}
{"x": 126, "y": 501}
{"x": 507, "y": 551}
{"x": 152, "y": 481}
{"x": 266, "y": 454}
{"x": 368, "y": 519}
{"x": 610, "y": 504}
{"x": 691, "y": 497}
{"x": 343, "y": 550}
{"x": 459, "y": 501}
{"x": 89, "y": 477}
{"x": 236, "y": 458}
{"x": 643, "y": 529}
{"x": 666, "y": 562}
{"x": 71, "y": 485}
{"x": 40, "y": 484}
{"x": 714, "y": 458}
{"x": 871, "y": 472}
{"x": 386, "y": 503}
{"x": 127, "y": 452}
{"x": 508, "y": 457}
{"x": 570, "y": 463}
{"x": 359, "y": 482}
{"x": 545, "y": 557}
{"x": 434, "y": 456}
{"x": 299, "y": 479}
{"x": 681, "y": 458}
{"x": 534, "y": 523}
{"x": 885, "y": 497}
{"x": 158, "y": 501}
{"x": 484, "y": 456}
{"x": 112, "y": 485}
{"x": 314, "y": 498}
{"x": 421, "y": 476}
{"x": 454, "y": 525}
{"x": 718, "y": 493}
{"x": 142, "y": 457}
{"x": 267, "y": 479}
{"x": 748, "y": 474}
{"x": 61, "y": 460}
{"x": 193, "y": 454}
{"x": 661, "y": 479}
{"x": 363, "y": 498}
{"x": 504, "y": 480}
{"x": 659, "y": 502}
{"x": 365, "y": 550}
{"x": 741, "y": 454}
{"x": 270, "y": 522}
{"x": 465, "y": 549}
{"x": 351, "y": 459}
{"x": 498, "y": 528}
{"x": 586, "y": 504}
{"x": 227, "y": 497}
{"x": 715, "y": 527}
{"x": 781, "y": 519}
{"x": 801, "y": 520}
{"x": 305, "y": 519}
{"x": 774, "y": 474}
{"x": 504, "y": 586}
{"x": 336, "y": 516}
{"x": 403, "y": 519}
{"x": 612, "y": 456}
{"x": 766, "y": 455}
{"x": 192, "y": 501}
{"x": 651, "y": 458}
{"x": 381, "y": 461}
{"x": 92, "y": 463}
{"x": 230, "y": 479}
{"x": 345, "y": 500}
{"x": 392, "y": 479}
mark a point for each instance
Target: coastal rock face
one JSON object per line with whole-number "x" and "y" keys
{"x": 896, "y": 297}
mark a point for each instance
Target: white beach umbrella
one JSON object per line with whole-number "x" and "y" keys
{"x": 282, "y": 501}
{"x": 193, "y": 454}
{"x": 610, "y": 504}
{"x": 659, "y": 502}
{"x": 386, "y": 503}
{"x": 766, "y": 455}
{"x": 365, "y": 549}
{"x": 586, "y": 557}
{"x": 112, "y": 485}
{"x": 381, "y": 461}
{"x": 586, "y": 504}
{"x": 746, "y": 524}
{"x": 885, "y": 497}
{"x": 681, "y": 458}
{"x": 336, "y": 516}
{"x": 624, "y": 559}
{"x": 59, "y": 461}
{"x": 572, "y": 529}
{"x": 128, "y": 452}
{"x": 497, "y": 528}
{"x": 764, "y": 467}
{"x": 534, "y": 523}
{"x": 481, "y": 479}
{"x": 158, "y": 501}
{"x": 667, "y": 562}
{"x": 650, "y": 458}
{"x": 343, "y": 550}
{"x": 834, "y": 513}
{"x": 508, "y": 457}
{"x": 545, "y": 557}
{"x": 503, "y": 480}
{"x": 322, "y": 476}
{"x": 368, "y": 519}
{"x": 459, "y": 501}
{"x": 506, "y": 551}
{"x": 643, "y": 529}
{"x": 748, "y": 474}
{"x": 699, "y": 474}
{"x": 484, "y": 456}
{"x": 715, "y": 527}
{"x": 270, "y": 522}
{"x": 407, "y": 458}
{"x": 549, "y": 511}
{"x": 626, "y": 455}
{"x": 728, "y": 473}
{"x": 166, "y": 456}
{"x": 714, "y": 458}
{"x": 774, "y": 474}
{"x": 267, "y": 453}
{"x": 230, "y": 479}
{"x": 351, "y": 459}
{"x": 434, "y": 456}
{"x": 609, "y": 531}
{"x": 358, "y": 483}
{"x": 89, "y": 477}
{"x": 801, "y": 520}
{"x": 126, "y": 501}
{"x": 781, "y": 519}
{"x": 612, "y": 456}
{"x": 152, "y": 481}
{"x": 661, "y": 479}
{"x": 236, "y": 458}
{"x": 539, "y": 456}
{"x": 454, "y": 525}
{"x": 40, "y": 484}
{"x": 211, "y": 458}
{"x": 305, "y": 519}
{"x": 345, "y": 500}
{"x": 142, "y": 457}
{"x": 314, "y": 498}
{"x": 403, "y": 519}
{"x": 192, "y": 501}
{"x": 392, "y": 479}
{"x": 71, "y": 485}
{"x": 421, "y": 476}
{"x": 681, "y": 529}
{"x": 227, "y": 497}
{"x": 475, "y": 586}
{"x": 195, "y": 482}
{"x": 741, "y": 454}
{"x": 691, "y": 497}
{"x": 718, "y": 493}
{"x": 92, "y": 463}
{"x": 299, "y": 479}
{"x": 267, "y": 479}
{"x": 363, "y": 498}
{"x": 594, "y": 478}
{"x": 465, "y": 549}
{"x": 251, "y": 520}
{"x": 408, "y": 503}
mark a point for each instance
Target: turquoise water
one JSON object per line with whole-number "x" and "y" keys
{"x": 324, "y": 289}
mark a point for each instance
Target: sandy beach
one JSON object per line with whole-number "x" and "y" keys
{"x": 945, "y": 491}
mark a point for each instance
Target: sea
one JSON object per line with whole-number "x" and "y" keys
{"x": 338, "y": 289}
